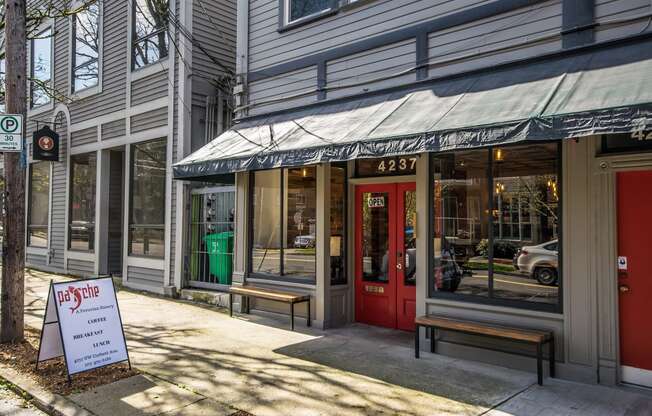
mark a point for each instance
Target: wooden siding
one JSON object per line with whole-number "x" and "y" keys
{"x": 113, "y": 129}
{"x": 372, "y": 64}
{"x": 145, "y": 277}
{"x": 35, "y": 260}
{"x": 609, "y": 10}
{"x": 149, "y": 120}
{"x": 213, "y": 27}
{"x": 285, "y": 85}
{"x": 59, "y": 204}
{"x": 82, "y": 137}
{"x": 149, "y": 88}
{"x": 81, "y": 267}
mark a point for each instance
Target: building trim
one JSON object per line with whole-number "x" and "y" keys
{"x": 577, "y": 22}
{"x": 445, "y": 22}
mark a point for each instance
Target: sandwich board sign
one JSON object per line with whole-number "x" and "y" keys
{"x": 11, "y": 133}
{"x": 82, "y": 323}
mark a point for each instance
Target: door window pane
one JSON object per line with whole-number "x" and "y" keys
{"x": 147, "y": 208}
{"x": 338, "y": 225}
{"x": 300, "y": 225}
{"x": 526, "y": 223}
{"x": 82, "y": 202}
{"x": 461, "y": 223}
{"x": 409, "y": 237}
{"x": 39, "y": 204}
{"x": 375, "y": 236}
{"x": 266, "y": 244}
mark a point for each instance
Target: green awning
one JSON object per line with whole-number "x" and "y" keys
{"x": 593, "y": 91}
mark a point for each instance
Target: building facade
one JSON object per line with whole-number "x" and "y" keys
{"x": 130, "y": 88}
{"x": 469, "y": 159}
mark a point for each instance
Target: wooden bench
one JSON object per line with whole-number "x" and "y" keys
{"x": 527, "y": 336}
{"x": 269, "y": 294}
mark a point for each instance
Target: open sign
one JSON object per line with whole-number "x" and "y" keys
{"x": 376, "y": 202}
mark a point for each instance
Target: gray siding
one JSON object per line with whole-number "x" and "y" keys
{"x": 149, "y": 120}
{"x": 114, "y": 70}
{"x": 213, "y": 25}
{"x": 149, "y": 88}
{"x": 145, "y": 277}
{"x": 35, "y": 260}
{"x": 59, "y": 205}
{"x": 81, "y": 267}
{"x": 82, "y": 137}
{"x": 114, "y": 129}
{"x": 303, "y": 81}
{"x": 610, "y": 10}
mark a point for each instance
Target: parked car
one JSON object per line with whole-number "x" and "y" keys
{"x": 304, "y": 241}
{"x": 539, "y": 261}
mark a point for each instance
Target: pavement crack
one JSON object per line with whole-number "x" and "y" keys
{"x": 507, "y": 399}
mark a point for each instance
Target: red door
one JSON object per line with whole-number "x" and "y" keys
{"x": 385, "y": 255}
{"x": 635, "y": 275}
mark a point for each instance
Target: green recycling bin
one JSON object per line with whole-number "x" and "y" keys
{"x": 220, "y": 255}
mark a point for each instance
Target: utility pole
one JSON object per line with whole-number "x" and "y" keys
{"x": 12, "y": 303}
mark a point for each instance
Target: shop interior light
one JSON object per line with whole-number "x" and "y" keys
{"x": 498, "y": 155}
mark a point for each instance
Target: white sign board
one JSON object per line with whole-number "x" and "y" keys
{"x": 82, "y": 322}
{"x": 11, "y": 133}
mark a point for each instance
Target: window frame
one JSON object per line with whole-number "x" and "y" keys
{"x": 134, "y": 40}
{"x": 131, "y": 202}
{"x": 28, "y": 224}
{"x": 556, "y": 308}
{"x": 281, "y": 277}
{"x": 70, "y": 199}
{"x": 31, "y": 108}
{"x": 284, "y": 22}
{"x": 345, "y": 238}
{"x": 97, "y": 88}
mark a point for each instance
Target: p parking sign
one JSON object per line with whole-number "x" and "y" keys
{"x": 11, "y": 133}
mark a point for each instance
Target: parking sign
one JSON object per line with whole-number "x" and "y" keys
{"x": 11, "y": 133}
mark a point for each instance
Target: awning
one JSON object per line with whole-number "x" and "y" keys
{"x": 596, "y": 91}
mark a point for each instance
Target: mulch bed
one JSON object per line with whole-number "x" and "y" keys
{"x": 51, "y": 374}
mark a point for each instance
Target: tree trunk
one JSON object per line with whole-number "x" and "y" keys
{"x": 13, "y": 253}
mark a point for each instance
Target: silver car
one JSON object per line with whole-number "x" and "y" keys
{"x": 539, "y": 261}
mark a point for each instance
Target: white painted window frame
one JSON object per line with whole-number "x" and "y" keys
{"x": 97, "y": 89}
{"x": 33, "y": 111}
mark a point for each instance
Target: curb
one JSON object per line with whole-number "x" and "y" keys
{"x": 50, "y": 403}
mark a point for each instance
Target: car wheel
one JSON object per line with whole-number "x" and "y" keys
{"x": 546, "y": 276}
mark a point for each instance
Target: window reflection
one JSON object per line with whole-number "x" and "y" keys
{"x": 304, "y": 8}
{"x": 375, "y": 237}
{"x": 147, "y": 208}
{"x": 41, "y": 68}
{"x": 86, "y": 47}
{"x": 266, "y": 247}
{"x": 338, "y": 225}
{"x": 82, "y": 202}
{"x": 150, "y": 42}
{"x": 300, "y": 225}
{"x": 461, "y": 223}
{"x": 409, "y": 237}
{"x": 526, "y": 223}
{"x": 39, "y": 204}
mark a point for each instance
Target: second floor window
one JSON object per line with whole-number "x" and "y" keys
{"x": 41, "y": 68}
{"x": 300, "y": 9}
{"x": 150, "y": 38}
{"x": 86, "y": 44}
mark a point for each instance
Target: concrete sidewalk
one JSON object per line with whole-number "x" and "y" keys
{"x": 255, "y": 364}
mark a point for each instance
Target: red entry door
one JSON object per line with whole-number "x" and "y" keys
{"x": 635, "y": 275}
{"x": 385, "y": 268}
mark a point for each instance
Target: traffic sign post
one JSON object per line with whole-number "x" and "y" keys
{"x": 11, "y": 133}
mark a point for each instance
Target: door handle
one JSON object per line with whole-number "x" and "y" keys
{"x": 623, "y": 288}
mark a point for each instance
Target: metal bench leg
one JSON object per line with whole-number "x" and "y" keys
{"x": 432, "y": 340}
{"x": 540, "y": 364}
{"x": 309, "y": 320}
{"x": 231, "y": 305}
{"x": 248, "y": 303}
{"x": 292, "y": 315}
{"x": 552, "y": 357}
{"x": 416, "y": 341}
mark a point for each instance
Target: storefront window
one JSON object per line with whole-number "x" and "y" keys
{"x": 82, "y": 202}
{"x": 338, "y": 224}
{"x": 496, "y": 225}
{"x": 284, "y": 223}
{"x": 39, "y": 204}
{"x": 147, "y": 207}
